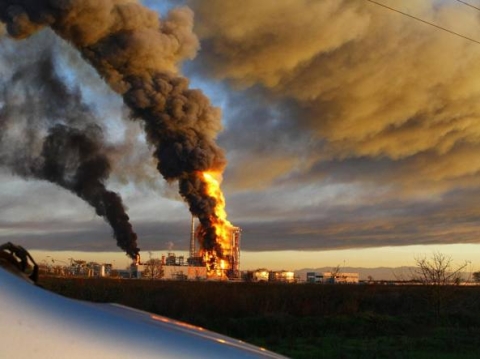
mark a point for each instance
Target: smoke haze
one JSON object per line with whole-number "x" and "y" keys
{"x": 137, "y": 54}
{"x": 49, "y": 133}
{"x": 346, "y": 125}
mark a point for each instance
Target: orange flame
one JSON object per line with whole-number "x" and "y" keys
{"x": 223, "y": 228}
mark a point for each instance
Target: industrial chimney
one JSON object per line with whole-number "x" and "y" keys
{"x": 194, "y": 260}
{"x": 235, "y": 252}
{"x": 192, "y": 239}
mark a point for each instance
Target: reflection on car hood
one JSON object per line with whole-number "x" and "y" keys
{"x": 41, "y": 324}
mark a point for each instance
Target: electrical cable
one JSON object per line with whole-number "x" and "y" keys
{"x": 466, "y": 3}
{"x": 426, "y": 22}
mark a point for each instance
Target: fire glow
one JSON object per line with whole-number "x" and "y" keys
{"x": 218, "y": 264}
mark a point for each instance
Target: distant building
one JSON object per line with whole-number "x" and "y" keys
{"x": 136, "y": 271}
{"x": 176, "y": 272}
{"x": 265, "y": 275}
{"x": 124, "y": 273}
{"x": 332, "y": 278}
{"x": 282, "y": 276}
{"x": 173, "y": 260}
{"x": 259, "y": 275}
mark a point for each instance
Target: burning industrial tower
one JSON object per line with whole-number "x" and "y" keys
{"x": 137, "y": 54}
{"x": 229, "y": 265}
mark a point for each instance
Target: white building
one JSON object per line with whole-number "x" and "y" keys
{"x": 261, "y": 275}
{"x": 282, "y": 276}
{"x": 332, "y": 278}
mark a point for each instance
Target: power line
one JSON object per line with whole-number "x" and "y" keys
{"x": 426, "y": 22}
{"x": 466, "y": 3}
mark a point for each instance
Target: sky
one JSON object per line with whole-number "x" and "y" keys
{"x": 351, "y": 132}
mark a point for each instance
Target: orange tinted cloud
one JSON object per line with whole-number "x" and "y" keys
{"x": 369, "y": 82}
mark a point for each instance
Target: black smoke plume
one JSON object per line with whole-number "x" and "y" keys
{"x": 137, "y": 54}
{"x": 47, "y": 132}
{"x": 73, "y": 159}
{"x": 182, "y": 150}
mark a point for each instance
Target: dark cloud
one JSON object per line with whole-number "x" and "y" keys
{"x": 262, "y": 139}
{"x": 341, "y": 109}
{"x": 93, "y": 236}
{"x": 394, "y": 224}
{"x": 353, "y": 93}
{"x": 346, "y": 125}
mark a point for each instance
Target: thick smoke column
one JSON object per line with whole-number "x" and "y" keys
{"x": 51, "y": 134}
{"x": 137, "y": 54}
{"x": 73, "y": 159}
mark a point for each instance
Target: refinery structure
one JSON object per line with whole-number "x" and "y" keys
{"x": 230, "y": 269}
{"x": 197, "y": 266}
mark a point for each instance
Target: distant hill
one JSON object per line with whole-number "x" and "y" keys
{"x": 380, "y": 273}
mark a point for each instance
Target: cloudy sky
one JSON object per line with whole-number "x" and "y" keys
{"x": 352, "y": 133}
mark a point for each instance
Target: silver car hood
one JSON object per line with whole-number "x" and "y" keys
{"x": 36, "y": 323}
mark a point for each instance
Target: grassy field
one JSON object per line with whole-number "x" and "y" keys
{"x": 308, "y": 320}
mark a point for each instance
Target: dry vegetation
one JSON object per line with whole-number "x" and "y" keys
{"x": 308, "y": 321}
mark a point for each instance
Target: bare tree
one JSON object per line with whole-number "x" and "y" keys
{"x": 438, "y": 270}
{"x": 153, "y": 268}
{"x": 442, "y": 276}
{"x": 333, "y": 275}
